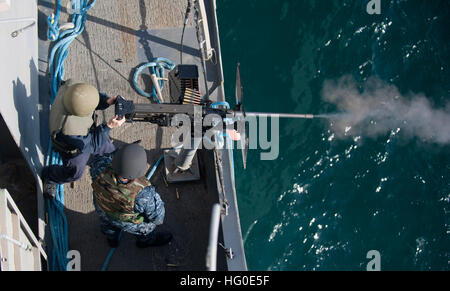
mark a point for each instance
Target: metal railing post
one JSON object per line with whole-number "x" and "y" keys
{"x": 211, "y": 256}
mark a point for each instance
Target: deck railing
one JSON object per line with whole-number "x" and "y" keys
{"x": 19, "y": 248}
{"x": 211, "y": 256}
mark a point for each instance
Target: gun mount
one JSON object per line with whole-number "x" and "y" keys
{"x": 186, "y": 100}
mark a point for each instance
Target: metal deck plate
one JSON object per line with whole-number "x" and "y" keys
{"x": 193, "y": 174}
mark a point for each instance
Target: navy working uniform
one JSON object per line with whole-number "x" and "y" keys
{"x": 134, "y": 207}
{"x": 79, "y": 134}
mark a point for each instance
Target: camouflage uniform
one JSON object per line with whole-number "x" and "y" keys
{"x": 138, "y": 213}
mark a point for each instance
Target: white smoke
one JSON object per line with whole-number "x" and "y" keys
{"x": 376, "y": 107}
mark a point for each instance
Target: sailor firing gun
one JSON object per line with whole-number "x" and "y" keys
{"x": 74, "y": 132}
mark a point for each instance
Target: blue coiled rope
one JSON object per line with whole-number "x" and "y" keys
{"x": 157, "y": 67}
{"x": 55, "y": 207}
{"x": 61, "y": 48}
{"x": 57, "y": 221}
{"x": 53, "y": 23}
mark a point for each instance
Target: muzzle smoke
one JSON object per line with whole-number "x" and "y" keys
{"x": 376, "y": 107}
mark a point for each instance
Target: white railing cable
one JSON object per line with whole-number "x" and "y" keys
{"x": 16, "y": 242}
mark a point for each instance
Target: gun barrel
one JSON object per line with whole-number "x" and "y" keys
{"x": 281, "y": 115}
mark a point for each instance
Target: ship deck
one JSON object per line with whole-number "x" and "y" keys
{"x": 118, "y": 36}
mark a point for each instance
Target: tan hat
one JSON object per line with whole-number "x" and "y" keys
{"x": 62, "y": 119}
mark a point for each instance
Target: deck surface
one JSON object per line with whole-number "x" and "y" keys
{"x": 119, "y": 35}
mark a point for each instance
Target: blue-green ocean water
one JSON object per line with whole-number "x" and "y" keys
{"x": 325, "y": 202}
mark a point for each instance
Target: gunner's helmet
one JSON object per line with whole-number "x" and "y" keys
{"x": 81, "y": 99}
{"x": 130, "y": 161}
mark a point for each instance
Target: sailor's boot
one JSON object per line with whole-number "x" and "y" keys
{"x": 155, "y": 239}
{"x": 49, "y": 189}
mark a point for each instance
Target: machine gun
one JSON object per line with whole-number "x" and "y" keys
{"x": 185, "y": 99}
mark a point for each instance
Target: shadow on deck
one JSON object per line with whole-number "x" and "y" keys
{"x": 134, "y": 32}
